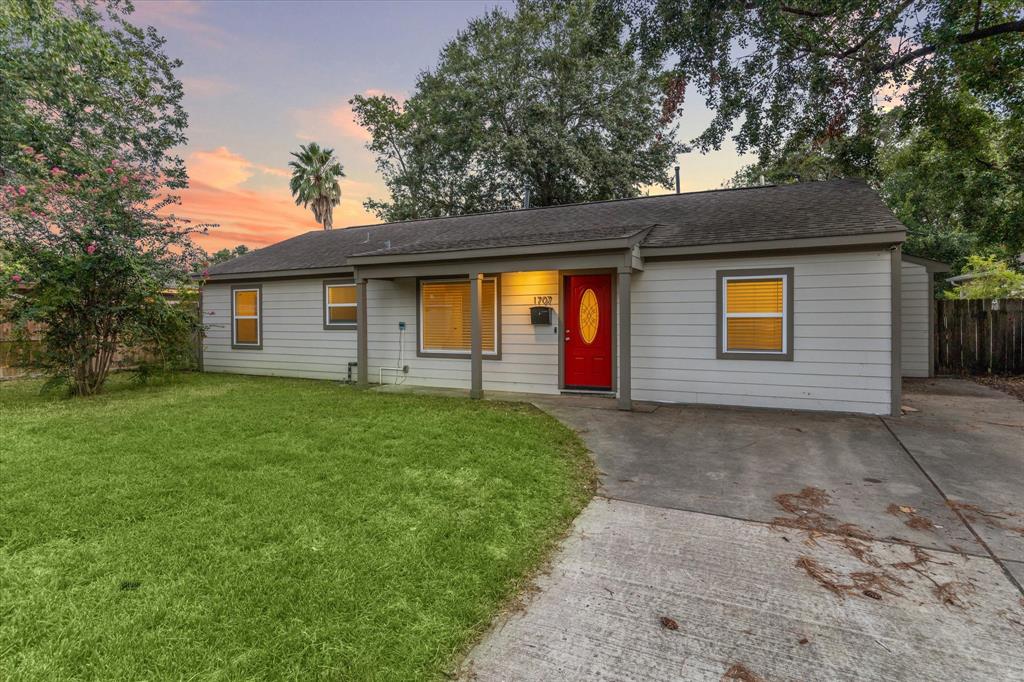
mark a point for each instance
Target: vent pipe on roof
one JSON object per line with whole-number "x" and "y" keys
{"x": 526, "y": 196}
{"x": 677, "y": 178}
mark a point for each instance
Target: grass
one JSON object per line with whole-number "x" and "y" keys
{"x": 227, "y": 527}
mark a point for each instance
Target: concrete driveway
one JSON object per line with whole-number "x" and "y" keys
{"x": 757, "y": 545}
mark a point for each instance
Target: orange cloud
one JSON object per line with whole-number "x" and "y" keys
{"x": 224, "y": 169}
{"x": 258, "y": 218}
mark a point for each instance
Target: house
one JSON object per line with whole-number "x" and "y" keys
{"x": 793, "y": 296}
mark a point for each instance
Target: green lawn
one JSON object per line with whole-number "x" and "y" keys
{"x": 220, "y": 527}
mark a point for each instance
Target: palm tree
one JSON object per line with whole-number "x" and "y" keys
{"x": 314, "y": 182}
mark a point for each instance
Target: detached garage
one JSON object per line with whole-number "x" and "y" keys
{"x": 788, "y": 297}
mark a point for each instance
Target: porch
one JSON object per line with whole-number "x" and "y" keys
{"x": 510, "y": 326}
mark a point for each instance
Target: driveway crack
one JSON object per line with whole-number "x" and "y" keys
{"x": 999, "y": 562}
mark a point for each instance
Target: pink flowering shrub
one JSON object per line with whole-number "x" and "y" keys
{"x": 91, "y": 256}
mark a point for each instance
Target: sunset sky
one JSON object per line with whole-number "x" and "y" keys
{"x": 261, "y": 78}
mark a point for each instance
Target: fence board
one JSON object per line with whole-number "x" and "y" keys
{"x": 979, "y": 337}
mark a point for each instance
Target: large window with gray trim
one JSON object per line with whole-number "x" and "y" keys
{"x": 445, "y": 317}
{"x": 755, "y": 314}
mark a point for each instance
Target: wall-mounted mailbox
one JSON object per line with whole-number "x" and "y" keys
{"x": 541, "y": 314}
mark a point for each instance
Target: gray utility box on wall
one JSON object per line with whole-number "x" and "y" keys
{"x": 540, "y": 314}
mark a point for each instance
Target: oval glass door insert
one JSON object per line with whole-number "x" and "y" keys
{"x": 590, "y": 316}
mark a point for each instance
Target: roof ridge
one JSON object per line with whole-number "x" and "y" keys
{"x": 714, "y": 190}
{"x": 574, "y": 203}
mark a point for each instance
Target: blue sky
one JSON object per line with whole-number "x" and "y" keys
{"x": 261, "y": 78}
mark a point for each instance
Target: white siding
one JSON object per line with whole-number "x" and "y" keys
{"x": 915, "y": 300}
{"x": 295, "y": 342}
{"x": 842, "y": 336}
{"x": 529, "y": 354}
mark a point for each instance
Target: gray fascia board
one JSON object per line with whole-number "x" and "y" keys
{"x": 497, "y": 252}
{"x": 606, "y": 260}
{"x": 344, "y": 271}
{"x": 927, "y": 263}
{"x": 734, "y": 248}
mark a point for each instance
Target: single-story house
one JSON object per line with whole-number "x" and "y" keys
{"x": 792, "y": 296}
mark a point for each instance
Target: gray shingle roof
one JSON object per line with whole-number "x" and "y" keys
{"x": 814, "y": 209}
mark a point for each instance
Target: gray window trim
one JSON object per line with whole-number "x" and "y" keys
{"x": 467, "y": 355}
{"x": 720, "y": 352}
{"x": 259, "y": 316}
{"x": 348, "y": 281}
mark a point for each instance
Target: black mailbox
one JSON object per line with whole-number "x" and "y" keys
{"x": 540, "y": 314}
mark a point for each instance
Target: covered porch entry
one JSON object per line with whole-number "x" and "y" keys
{"x": 561, "y": 321}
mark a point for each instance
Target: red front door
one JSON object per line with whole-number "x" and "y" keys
{"x": 588, "y": 331}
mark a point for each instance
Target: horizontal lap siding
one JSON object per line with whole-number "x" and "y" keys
{"x": 842, "y": 332}
{"x": 529, "y": 354}
{"x": 294, "y": 341}
{"x": 915, "y": 324}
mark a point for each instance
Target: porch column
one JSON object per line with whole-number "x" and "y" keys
{"x": 362, "y": 352}
{"x": 895, "y": 331}
{"x": 625, "y": 336}
{"x": 476, "y": 384}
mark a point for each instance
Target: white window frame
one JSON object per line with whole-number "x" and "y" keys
{"x": 784, "y": 315}
{"x": 328, "y": 305}
{"x": 258, "y": 317}
{"x": 454, "y": 352}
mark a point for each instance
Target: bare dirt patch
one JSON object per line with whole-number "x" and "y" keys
{"x": 1011, "y": 385}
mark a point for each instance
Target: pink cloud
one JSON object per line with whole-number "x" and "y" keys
{"x": 207, "y": 87}
{"x": 344, "y": 120}
{"x": 337, "y": 118}
{"x": 183, "y": 15}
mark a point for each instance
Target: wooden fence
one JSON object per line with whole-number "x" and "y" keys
{"x": 19, "y": 352}
{"x": 17, "y": 356}
{"x": 979, "y": 337}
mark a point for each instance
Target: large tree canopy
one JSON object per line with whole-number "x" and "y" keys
{"x": 80, "y": 84}
{"x": 551, "y": 99}
{"x": 817, "y": 69}
{"x": 956, "y": 183}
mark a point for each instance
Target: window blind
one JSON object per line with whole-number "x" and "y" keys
{"x": 446, "y": 316}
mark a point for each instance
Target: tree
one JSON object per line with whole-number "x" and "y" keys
{"x": 314, "y": 182}
{"x": 956, "y": 184}
{"x": 227, "y": 254}
{"x": 551, "y": 100}
{"x": 89, "y": 109}
{"x": 816, "y": 69}
{"x": 988, "y": 277}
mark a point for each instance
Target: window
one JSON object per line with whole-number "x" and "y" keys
{"x": 246, "y": 322}
{"x": 339, "y": 305}
{"x": 755, "y": 320}
{"x": 445, "y": 317}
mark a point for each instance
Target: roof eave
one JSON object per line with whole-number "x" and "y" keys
{"x": 927, "y": 263}
{"x": 497, "y": 252}
{"x": 888, "y": 238}
{"x": 271, "y": 274}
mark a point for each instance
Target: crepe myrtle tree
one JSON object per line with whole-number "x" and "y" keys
{"x": 89, "y": 256}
